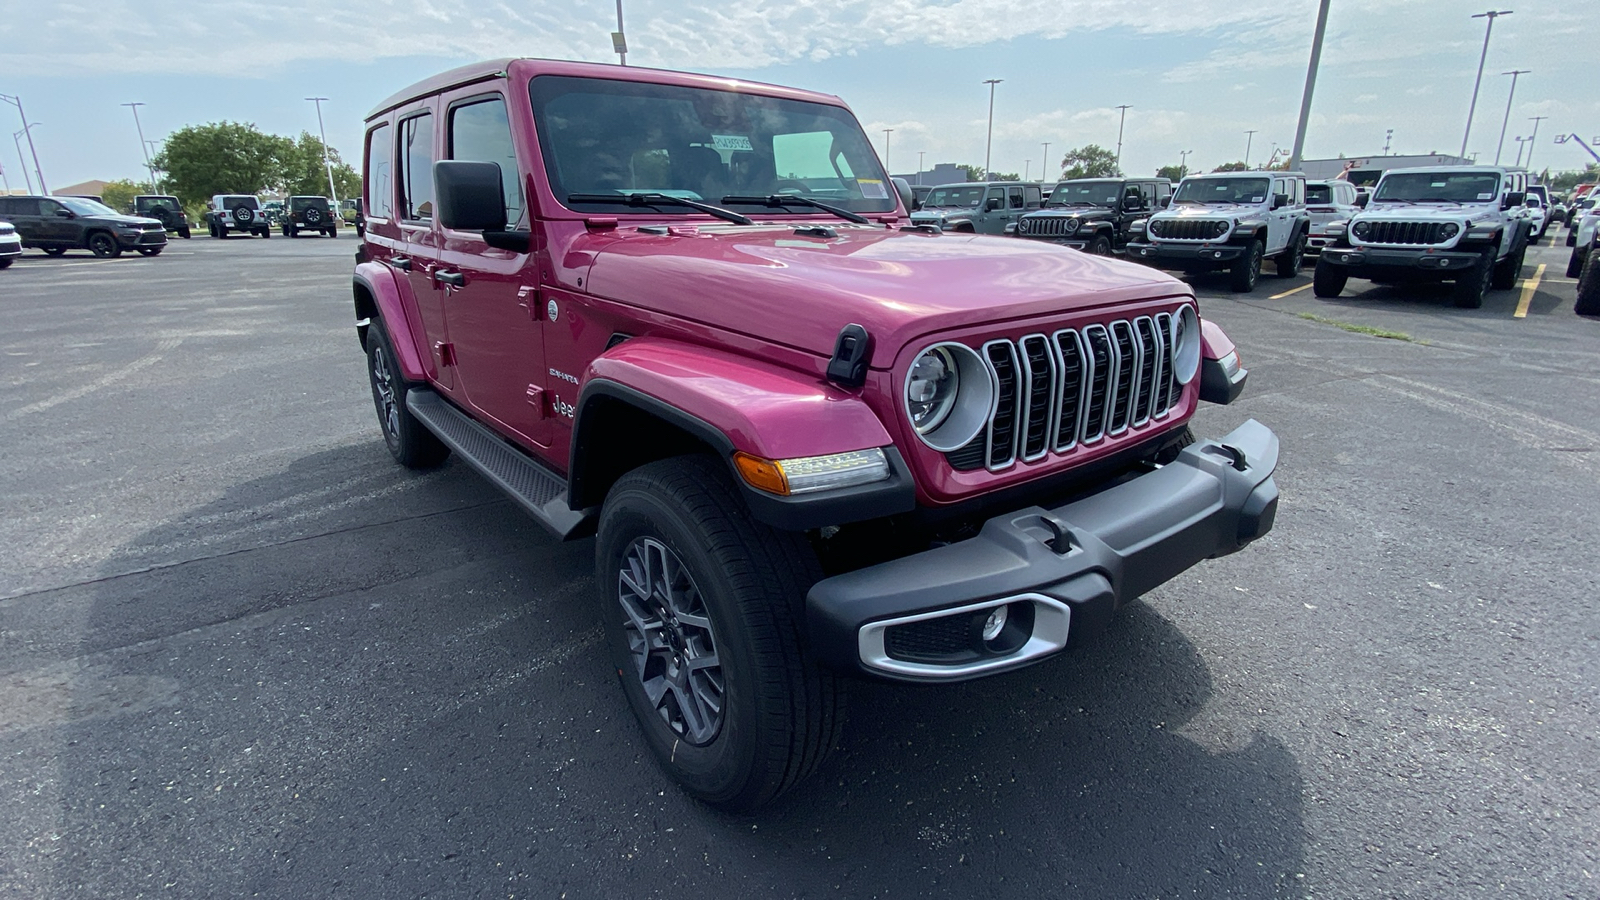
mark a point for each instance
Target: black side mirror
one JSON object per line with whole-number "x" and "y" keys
{"x": 908, "y": 199}
{"x": 468, "y": 195}
{"x": 992, "y": 204}
{"x": 1280, "y": 200}
{"x": 1513, "y": 199}
{"x": 1362, "y": 199}
{"x": 1164, "y": 202}
{"x": 66, "y": 214}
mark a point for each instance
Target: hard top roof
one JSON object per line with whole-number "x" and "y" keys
{"x": 1246, "y": 172}
{"x": 1483, "y": 170}
{"x": 984, "y": 184}
{"x": 523, "y": 68}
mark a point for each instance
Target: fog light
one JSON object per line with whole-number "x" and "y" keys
{"x": 995, "y": 622}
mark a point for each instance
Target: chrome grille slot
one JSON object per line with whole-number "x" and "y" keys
{"x": 1039, "y": 371}
{"x": 1055, "y": 392}
{"x": 1002, "y": 357}
{"x": 1188, "y": 229}
{"x": 1046, "y": 226}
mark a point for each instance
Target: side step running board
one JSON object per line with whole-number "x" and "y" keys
{"x": 540, "y": 491}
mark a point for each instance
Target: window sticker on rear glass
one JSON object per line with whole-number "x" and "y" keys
{"x": 872, "y": 189}
{"x": 731, "y": 142}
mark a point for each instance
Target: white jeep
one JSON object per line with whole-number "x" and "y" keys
{"x": 1228, "y": 220}
{"x": 1464, "y": 224}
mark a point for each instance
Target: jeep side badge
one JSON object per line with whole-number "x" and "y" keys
{"x": 848, "y": 367}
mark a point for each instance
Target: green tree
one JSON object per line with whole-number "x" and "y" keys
{"x": 301, "y": 169}
{"x": 1089, "y": 161}
{"x": 1232, "y": 167}
{"x": 1566, "y": 181}
{"x": 221, "y": 158}
{"x": 119, "y": 194}
{"x": 1171, "y": 173}
{"x": 972, "y": 173}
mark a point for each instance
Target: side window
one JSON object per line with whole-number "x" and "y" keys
{"x": 1031, "y": 196}
{"x": 416, "y": 172}
{"x": 480, "y": 131}
{"x": 996, "y": 194}
{"x": 380, "y": 172}
{"x": 48, "y": 208}
{"x": 1130, "y": 197}
{"x": 1015, "y": 195}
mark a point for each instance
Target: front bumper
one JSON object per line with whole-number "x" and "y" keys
{"x": 918, "y": 618}
{"x": 1182, "y": 256}
{"x": 1074, "y": 241}
{"x": 134, "y": 240}
{"x": 1362, "y": 262}
{"x": 10, "y": 247}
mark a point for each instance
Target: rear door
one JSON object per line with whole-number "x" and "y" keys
{"x": 418, "y": 241}
{"x": 23, "y": 212}
{"x": 495, "y": 317}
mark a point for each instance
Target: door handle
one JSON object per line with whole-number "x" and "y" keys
{"x": 453, "y": 279}
{"x": 403, "y": 263}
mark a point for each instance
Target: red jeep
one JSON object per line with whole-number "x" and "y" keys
{"x": 690, "y": 315}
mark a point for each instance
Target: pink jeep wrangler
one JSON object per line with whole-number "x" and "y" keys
{"x": 689, "y": 315}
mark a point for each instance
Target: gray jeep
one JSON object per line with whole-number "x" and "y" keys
{"x": 978, "y": 207}
{"x": 1094, "y": 214}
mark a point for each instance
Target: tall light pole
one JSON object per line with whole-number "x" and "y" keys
{"x": 326, "y": 159}
{"x": 1536, "y": 121}
{"x": 988, "y": 142}
{"x": 1514, "y": 73}
{"x": 4, "y": 180}
{"x": 152, "y": 153}
{"x": 920, "y": 154}
{"x": 619, "y": 40}
{"x": 17, "y": 138}
{"x": 1183, "y": 163}
{"x": 142, "y": 145}
{"x": 1491, "y": 15}
{"x": 1311, "y": 86}
{"x": 27, "y": 129}
{"x": 1520, "y": 142}
{"x": 1249, "y": 138}
{"x": 1388, "y": 137}
{"x": 886, "y": 133}
{"x": 1027, "y": 168}
{"x": 1122, "y": 120}
{"x": 1044, "y": 165}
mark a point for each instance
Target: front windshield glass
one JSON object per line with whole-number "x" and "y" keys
{"x": 85, "y": 207}
{"x": 620, "y": 137}
{"x": 1086, "y": 193}
{"x": 958, "y": 196}
{"x": 1444, "y": 187}
{"x": 1222, "y": 190}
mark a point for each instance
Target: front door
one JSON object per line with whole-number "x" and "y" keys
{"x": 495, "y": 317}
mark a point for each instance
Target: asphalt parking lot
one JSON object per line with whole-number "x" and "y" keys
{"x": 244, "y": 654}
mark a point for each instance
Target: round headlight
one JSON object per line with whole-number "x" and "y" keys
{"x": 948, "y": 397}
{"x": 1071, "y": 225}
{"x": 1219, "y": 228}
{"x": 1450, "y": 230}
{"x": 1361, "y": 229}
{"x": 1185, "y": 344}
{"x": 1157, "y": 226}
{"x": 1022, "y": 226}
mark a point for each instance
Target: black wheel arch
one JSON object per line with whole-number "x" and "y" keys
{"x": 366, "y": 308}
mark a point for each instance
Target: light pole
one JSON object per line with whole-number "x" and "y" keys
{"x": 619, "y": 41}
{"x": 920, "y": 154}
{"x": 1520, "y": 142}
{"x": 1491, "y": 15}
{"x": 1514, "y": 73}
{"x": 1121, "y": 120}
{"x": 1311, "y": 86}
{"x": 886, "y": 133}
{"x": 1249, "y": 138}
{"x": 1027, "y": 168}
{"x": 1183, "y": 163}
{"x": 326, "y": 159}
{"x": 988, "y": 142}
{"x": 27, "y": 129}
{"x": 1536, "y": 121}
{"x": 152, "y": 150}
{"x": 17, "y": 138}
{"x": 1044, "y": 164}
{"x": 142, "y": 145}
{"x": 4, "y": 180}
{"x": 1388, "y": 137}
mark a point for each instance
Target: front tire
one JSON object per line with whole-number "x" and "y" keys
{"x": 1246, "y": 270}
{"x": 409, "y": 441}
{"x": 104, "y": 245}
{"x": 1292, "y": 259}
{"x": 54, "y": 251}
{"x": 1100, "y": 246}
{"x": 1509, "y": 270}
{"x": 707, "y": 633}
{"x": 1328, "y": 280}
{"x": 1589, "y": 287}
{"x": 1469, "y": 289}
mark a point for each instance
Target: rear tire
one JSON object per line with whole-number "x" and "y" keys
{"x": 184, "y": 232}
{"x": 1589, "y": 286}
{"x": 1328, "y": 280}
{"x": 1575, "y": 261}
{"x": 6, "y": 263}
{"x": 1469, "y": 289}
{"x": 1246, "y": 270}
{"x": 698, "y": 579}
{"x": 410, "y": 442}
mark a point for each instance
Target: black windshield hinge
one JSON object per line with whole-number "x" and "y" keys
{"x": 820, "y": 231}
{"x": 848, "y": 367}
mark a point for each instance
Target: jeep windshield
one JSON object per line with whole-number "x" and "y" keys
{"x": 959, "y": 197}
{"x": 1222, "y": 190}
{"x": 601, "y": 137}
{"x": 85, "y": 207}
{"x": 1086, "y": 193}
{"x": 1438, "y": 187}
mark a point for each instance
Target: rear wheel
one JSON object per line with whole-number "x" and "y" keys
{"x": 707, "y": 633}
{"x": 1589, "y": 286}
{"x": 1328, "y": 280}
{"x": 1246, "y": 270}
{"x": 410, "y": 442}
{"x": 1469, "y": 289}
{"x": 184, "y": 232}
{"x": 104, "y": 245}
{"x": 1575, "y": 261}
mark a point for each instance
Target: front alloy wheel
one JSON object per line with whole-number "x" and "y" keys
{"x": 103, "y": 245}
{"x": 1246, "y": 270}
{"x": 670, "y": 638}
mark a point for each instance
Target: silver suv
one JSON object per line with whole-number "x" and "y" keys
{"x": 1232, "y": 221}
{"x": 237, "y": 212}
{"x": 979, "y": 207}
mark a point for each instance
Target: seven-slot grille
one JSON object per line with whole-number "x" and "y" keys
{"x": 1188, "y": 229}
{"x": 1404, "y": 233}
{"x": 1074, "y": 387}
{"x": 1049, "y": 226}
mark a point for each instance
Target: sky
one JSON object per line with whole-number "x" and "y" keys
{"x": 1197, "y": 74}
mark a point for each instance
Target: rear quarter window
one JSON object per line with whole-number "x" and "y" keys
{"x": 379, "y": 181}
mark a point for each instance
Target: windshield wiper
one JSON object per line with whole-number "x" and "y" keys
{"x": 778, "y": 201}
{"x": 654, "y": 200}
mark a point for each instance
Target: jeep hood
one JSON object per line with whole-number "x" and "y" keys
{"x": 1211, "y": 211}
{"x": 771, "y": 283}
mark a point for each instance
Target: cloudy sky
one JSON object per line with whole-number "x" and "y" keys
{"x": 1197, "y": 73}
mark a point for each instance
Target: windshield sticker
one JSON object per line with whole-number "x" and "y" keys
{"x": 1486, "y": 195}
{"x": 1258, "y": 199}
{"x": 872, "y": 189}
{"x": 731, "y": 142}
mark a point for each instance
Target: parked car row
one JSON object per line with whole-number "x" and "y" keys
{"x": 58, "y": 224}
